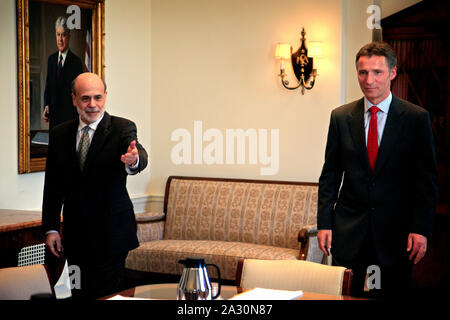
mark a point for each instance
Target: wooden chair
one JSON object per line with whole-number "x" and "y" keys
{"x": 293, "y": 275}
{"x": 20, "y": 283}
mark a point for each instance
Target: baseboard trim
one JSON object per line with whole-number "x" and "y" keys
{"x": 147, "y": 203}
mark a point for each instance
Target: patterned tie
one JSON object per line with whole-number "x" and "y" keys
{"x": 372, "y": 138}
{"x": 83, "y": 146}
{"x": 60, "y": 66}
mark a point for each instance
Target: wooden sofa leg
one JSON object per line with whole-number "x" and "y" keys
{"x": 303, "y": 237}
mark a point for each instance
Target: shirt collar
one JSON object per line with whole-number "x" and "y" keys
{"x": 383, "y": 105}
{"x": 63, "y": 54}
{"x": 93, "y": 125}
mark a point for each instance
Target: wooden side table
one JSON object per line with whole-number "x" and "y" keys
{"x": 18, "y": 229}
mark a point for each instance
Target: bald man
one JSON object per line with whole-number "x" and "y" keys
{"x": 89, "y": 160}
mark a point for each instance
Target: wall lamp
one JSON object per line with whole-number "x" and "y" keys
{"x": 302, "y": 64}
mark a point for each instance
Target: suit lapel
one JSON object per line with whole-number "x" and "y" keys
{"x": 52, "y": 66}
{"x": 391, "y": 132}
{"x": 72, "y": 156}
{"x": 67, "y": 62}
{"x": 356, "y": 125}
{"x": 98, "y": 140}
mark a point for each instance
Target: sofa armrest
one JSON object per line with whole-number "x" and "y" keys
{"x": 304, "y": 236}
{"x": 150, "y": 226}
{"x": 149, "y": 216}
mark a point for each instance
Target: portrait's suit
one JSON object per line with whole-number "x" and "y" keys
{"x": 57, "y": 94}
{"x": 397, "y": 198}
{"x": 98, "y": 215}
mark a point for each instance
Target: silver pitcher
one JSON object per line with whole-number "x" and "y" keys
{"x": 194, "y": 283}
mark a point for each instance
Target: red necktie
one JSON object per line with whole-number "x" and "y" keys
{"x": 372, "y": 138}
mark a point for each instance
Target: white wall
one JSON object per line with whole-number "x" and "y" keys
{"x": 128, "y": 73}
{"x": 214, "y": 61}
{"x": 171, "y": 62}
{"x": 16, "y": 191}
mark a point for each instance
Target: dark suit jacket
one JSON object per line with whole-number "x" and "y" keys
{"x": 57, "y": 94}
{"x": 398, "y": 198}
{"x": 98, "y": 213}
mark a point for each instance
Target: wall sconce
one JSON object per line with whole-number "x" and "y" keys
{"x": 302, "y": 64}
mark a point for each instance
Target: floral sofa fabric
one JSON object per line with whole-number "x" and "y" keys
{"x": 223, "y": 220}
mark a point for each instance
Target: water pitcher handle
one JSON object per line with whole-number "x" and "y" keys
{"x": 218, "y": 275}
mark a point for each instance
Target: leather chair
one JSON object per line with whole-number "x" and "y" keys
{"x": 293, "y": 275}
{"x": 20, "y": 283}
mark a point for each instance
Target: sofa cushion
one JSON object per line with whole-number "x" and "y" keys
{"x": 260, "y": 213}
{"x": 162, "y": 256}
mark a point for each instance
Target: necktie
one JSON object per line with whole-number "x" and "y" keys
{"x": 83, "y": 146}
{"x": 372, "y": 137}
{"x": 60, "y": 66}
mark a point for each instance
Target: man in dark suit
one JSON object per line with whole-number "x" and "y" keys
{"x": 63, "y": 66}
{"x": 378, "y": 186}
{"x": 88, "y": 162}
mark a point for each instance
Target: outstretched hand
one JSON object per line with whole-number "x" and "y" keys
{"x": 130, "y": 158}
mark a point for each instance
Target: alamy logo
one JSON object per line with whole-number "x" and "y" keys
{"x": 373, "y": 22}
{"x": 233, "y": 150}
{"x": 74, "y": 20}
{"x": 373, "y": 277}
{"x": 74, "y": 277}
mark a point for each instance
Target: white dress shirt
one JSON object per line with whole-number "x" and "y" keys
{"x": 92, "y": 127}
{"x": 381, "y": 116}
{"x": 64, "y": 55}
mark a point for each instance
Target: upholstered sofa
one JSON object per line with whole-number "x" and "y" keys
{"x": 223, "y": 220}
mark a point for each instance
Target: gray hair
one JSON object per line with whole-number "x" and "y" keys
{"x": 62, "y": 22}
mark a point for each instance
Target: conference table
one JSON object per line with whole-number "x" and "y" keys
{"x": 168, "y": 291}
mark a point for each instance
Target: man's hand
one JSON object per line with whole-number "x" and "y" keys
{"x": 324, "y": 239}
{"x": 45, "y": 114}
{"x": 417, "y": 244}
{"x": 131, "y": 156}
{"x": 53, "y": 243}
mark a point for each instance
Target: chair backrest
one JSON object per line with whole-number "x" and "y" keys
{"x": 20, "y": 283}
{"x": 293, "y": 275}
{"x": 253, "y": 211}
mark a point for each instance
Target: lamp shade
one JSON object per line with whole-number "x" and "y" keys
{"x": 283, "y": 51}
{"x": 315, "y": 49}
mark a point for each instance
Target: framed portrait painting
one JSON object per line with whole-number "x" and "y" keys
{"x": 56, "y": 41}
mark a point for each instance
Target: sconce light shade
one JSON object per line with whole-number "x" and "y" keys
{"x": 302, "y": 63}
{"x": 283, "y": 51}
{"x": 315, "y": 49}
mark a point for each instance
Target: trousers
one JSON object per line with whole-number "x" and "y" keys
{"x": 373, "y": 279}
{"x": 100, "y": 275}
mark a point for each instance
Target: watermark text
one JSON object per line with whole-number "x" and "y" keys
{"x": 236, "y": 146}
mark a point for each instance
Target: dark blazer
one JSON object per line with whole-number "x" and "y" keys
{"x": 398, "y": 198}
{"x": 98, "y": 213}
{"x": 57, "y": 94}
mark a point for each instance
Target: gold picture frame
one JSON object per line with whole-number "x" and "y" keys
{"x": 32, "y": 67}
